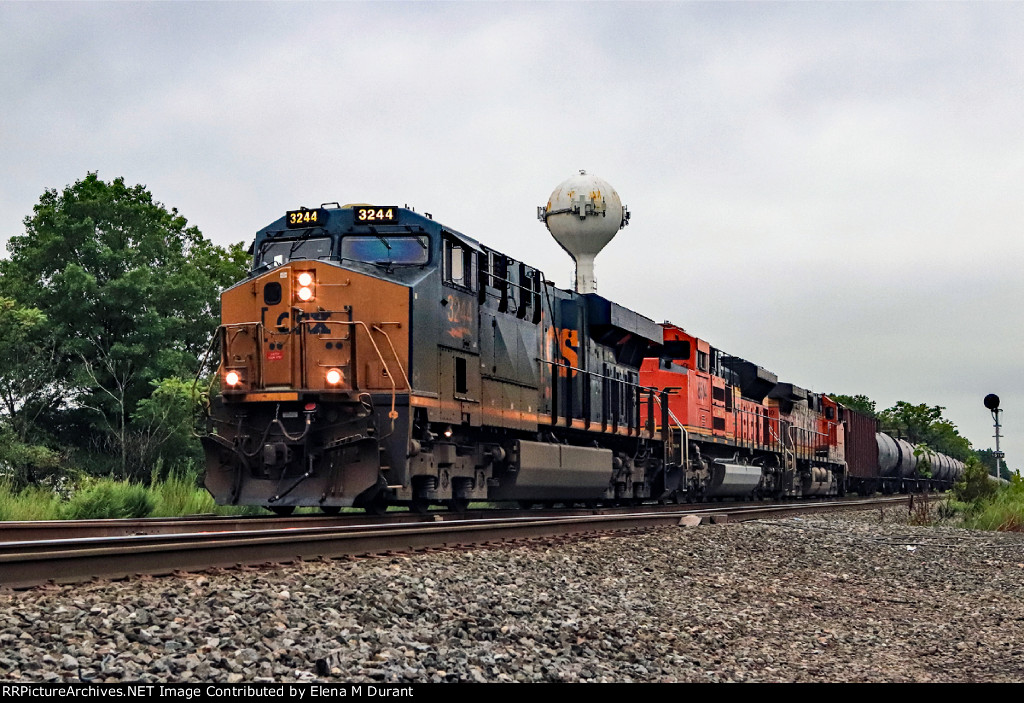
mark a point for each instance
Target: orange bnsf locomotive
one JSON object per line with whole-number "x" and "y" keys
{"x": 374, "y": 356}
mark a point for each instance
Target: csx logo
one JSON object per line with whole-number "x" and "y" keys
{"x": 568, "y": 349}
{"x": 320, "y": 328}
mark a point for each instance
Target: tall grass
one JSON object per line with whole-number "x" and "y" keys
{"x": 108, "y": 499}
{"x": 178, "y": 494}
{"x": 1004, "y": 511}
{"x": 33, "y": 503}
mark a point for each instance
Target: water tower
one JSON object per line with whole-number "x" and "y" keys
{"x": 583, "y": 214}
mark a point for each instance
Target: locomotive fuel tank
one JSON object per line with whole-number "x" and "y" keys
{"x": 733, "y": 480}
{"x": 549, "y": 471}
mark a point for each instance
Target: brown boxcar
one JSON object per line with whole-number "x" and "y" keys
{"x": 861, "y": 451}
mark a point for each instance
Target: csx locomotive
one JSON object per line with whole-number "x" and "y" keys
{"x": 374, "y": 356}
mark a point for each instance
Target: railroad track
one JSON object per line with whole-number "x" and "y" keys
{"x": 194, "y": 544}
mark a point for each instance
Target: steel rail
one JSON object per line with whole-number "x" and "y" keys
{"x": 56, "y": 529}
{"x": 31, "y": 563}
{"x": 30, "y": 530}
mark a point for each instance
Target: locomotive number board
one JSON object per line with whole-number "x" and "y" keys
{"x": 377, "y": 214}
{"x": 305, "y": 218}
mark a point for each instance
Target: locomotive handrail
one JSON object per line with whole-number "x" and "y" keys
{"x": 685, "y": 438}
{"x": 775, "y": 439}
{"x": 806, "y": 431}
{"x": 595, "y": 374}
{"x": 222, "y": 330}
{"x": 398, "y": 360}
{"x": 195, "y": 382}
{"x": 636, "y": 386}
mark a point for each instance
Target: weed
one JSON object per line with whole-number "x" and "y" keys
{"x": 32, "y": 503}
{"x": 921, "y": 510}
{"x": 108, "y": 499}
{"x": 180, "y": 494}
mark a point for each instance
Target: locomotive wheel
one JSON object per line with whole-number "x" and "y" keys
{"x": 457, "y": 505}
{"x": 378, "y": 506}
{"x": 330, "y": 509}
{"x": 282, "y": 510}
{"x": 420, "y": 506}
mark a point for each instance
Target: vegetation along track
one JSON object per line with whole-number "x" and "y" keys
{"x": 202, "y": 544}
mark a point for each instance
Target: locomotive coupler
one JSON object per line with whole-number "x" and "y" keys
{"x": 276, "y": 454}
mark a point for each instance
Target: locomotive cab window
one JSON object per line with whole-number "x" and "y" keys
{"x": 702, "y": 361}
{"x": 391, "y": 249}
{"x": 278, "y": 252}
{"x": 459, "y": 264}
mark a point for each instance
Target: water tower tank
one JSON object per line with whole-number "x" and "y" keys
{"x": 583, "y": 214}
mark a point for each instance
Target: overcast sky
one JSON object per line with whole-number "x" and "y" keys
{"x": 831, "y": 190}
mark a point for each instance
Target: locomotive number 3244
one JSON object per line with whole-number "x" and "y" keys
{"x": 377, "y": 214}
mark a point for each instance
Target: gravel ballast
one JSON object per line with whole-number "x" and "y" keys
{"x": 850, "y": 597}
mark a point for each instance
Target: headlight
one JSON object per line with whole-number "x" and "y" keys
{"x": 307, "y": 286}
{"x": 334, "y": 377}
{"x": 232, "y": 378}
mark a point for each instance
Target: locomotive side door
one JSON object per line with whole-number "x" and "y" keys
{"x": 279, "y": 338}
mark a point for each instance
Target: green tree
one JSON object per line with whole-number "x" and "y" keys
{"x": 162, "y": 427}
{"x": 924, "y": 424}
{"x": 860, "y": 403}
{"x": 987, "y": 457}
{"x": 923, "y": 454}
{"x": 974, "y": 485}
{"x": 28, "y": 386}
{"x": 127, "y": 286}
{"x": 23, "y": 464}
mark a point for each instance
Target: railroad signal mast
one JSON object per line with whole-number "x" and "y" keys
{"x": 992, "y": 403}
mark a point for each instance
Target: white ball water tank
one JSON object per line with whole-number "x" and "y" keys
{"x": 583, "y": 214}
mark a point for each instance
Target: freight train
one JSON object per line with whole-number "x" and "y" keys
{"x": 374, "y": 356}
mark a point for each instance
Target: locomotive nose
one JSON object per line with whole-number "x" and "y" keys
{"x": 311, "y": 369}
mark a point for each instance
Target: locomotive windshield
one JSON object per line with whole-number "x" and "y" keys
{"x": 276, "y": 253}
{"x": 389, "y": 250}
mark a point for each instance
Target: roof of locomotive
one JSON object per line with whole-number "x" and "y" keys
{"x": 336, "y": 220}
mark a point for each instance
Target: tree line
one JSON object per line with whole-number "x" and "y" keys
{"x": 107, "y": 303}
